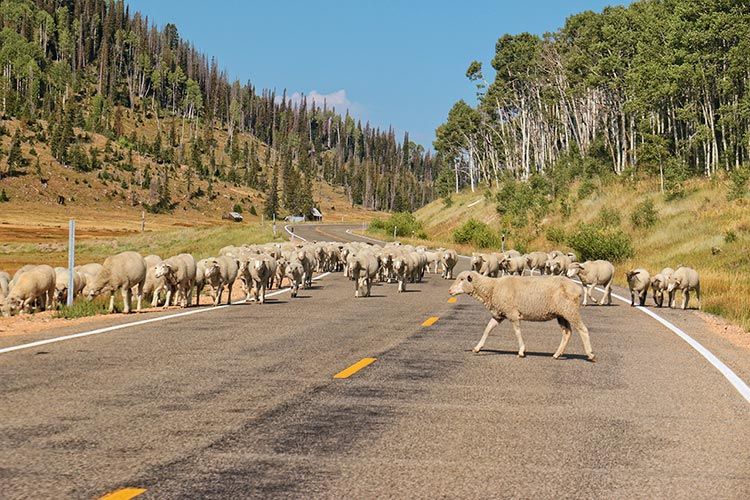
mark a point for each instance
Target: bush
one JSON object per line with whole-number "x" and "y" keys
{"x": 237, "y": 208}
{"x": 644, "y": 214}
{"x": 252, "y": 210}
{"x": 83, "y": 308}
{"x": 4, "y": 196}
{"x": 516, "y": 199}
{"x": 585, "y": 189}
{"x": 730, "y": 236}
{"x": 592, "y": 242}
{"x": 738, "y": 186}
{"x": 555, "y": 235}
{"x": 608, "y": 217}
{"x": 476, "y": 233}
{"x": 405, "y": 223}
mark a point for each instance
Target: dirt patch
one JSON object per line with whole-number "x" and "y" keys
{"x": 735, "y": 334}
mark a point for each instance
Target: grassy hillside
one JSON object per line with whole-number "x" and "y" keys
{"x": 703, "y": 230}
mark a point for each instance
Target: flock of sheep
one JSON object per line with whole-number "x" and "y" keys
{"x": 175, "y": 280}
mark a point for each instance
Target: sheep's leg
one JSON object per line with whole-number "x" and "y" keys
{"x": 685, "y": 298}
{"x": 168, "y": 299}
{"x": 584, "y": 334}
{"x": 492, "y": 324}
{"x": 591, "y": 294}
{"x": 565, "y": 326}
{"x": 585, "y": 294}
{"x": 112, "y": 302}
{"x": 517, "y": 330}
{"x": 632, "y": 298}
{"x": 126, "y": 296}
{"x": 262, "y": 292}
{"x": 643, "y": 297}
{"x": 217, "y": 295}
{"x": 608, "y": 294}
{"x": 155, "y": 298}
{"x": 698, "y": 296}
{"x": 140, "y": 297}
{"x": 368, "y": 285}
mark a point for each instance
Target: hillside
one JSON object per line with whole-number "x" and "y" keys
{"x": 701, "y": 229}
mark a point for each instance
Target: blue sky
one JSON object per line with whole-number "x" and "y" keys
{"x": 399, "y": 63}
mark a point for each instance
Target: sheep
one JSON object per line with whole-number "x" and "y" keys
{"x": 639, "y": 281}
{"x": 88, "y": 272}
{"x": 254, "y": 273}
{"x": 530, "y": 299}
{"x": 593, "y": 273}
{"x": 404, "y": 266}
{"x": 684, "y": 279}
{"x": 487, "y": 264}
{"x": 558, "y": 263}
{"x": 449, "y": 258}
{"x": 206, "y": 270}
{"x": 4, "y": 282}
{"x": 33, "y": 285}
{"x": 304, "y": 256}
{"x": 153, "y": 285}
{"x": 18, "y": 273}
{"x": 363, "y": 267}
{"x": 295, "y": 273}
{"x": 281, "y": 264}
{"x": 535, "y": 261}
{"x": 179, "y": 274}
{"x": 228, "y": 270}
{"x": 659, "y": 285}
{"x": 62, "y": 275}
{"x": 122, "y": 271}
{"x": 514, "y": 265}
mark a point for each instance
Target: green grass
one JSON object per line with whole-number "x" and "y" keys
{"x": 83, "y": 308}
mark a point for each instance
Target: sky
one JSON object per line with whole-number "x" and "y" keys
{"x": 390, "y": 62}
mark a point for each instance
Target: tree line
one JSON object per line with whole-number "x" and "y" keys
{"x": 657, "y": 87}
{"x": 82, "y": 63}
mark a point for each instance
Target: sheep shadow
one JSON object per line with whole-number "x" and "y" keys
{"x": 502, "y": 352}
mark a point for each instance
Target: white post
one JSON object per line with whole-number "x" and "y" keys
{"x": 274, "y": 225}
{"x": 71, "y": 259}
{"x": 394, "y": 232}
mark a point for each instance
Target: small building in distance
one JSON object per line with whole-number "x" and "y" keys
{"x": 316, "y": 215}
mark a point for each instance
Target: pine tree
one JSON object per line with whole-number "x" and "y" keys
{"x": 272, "y": 197}
{"x": 15, "y": 157}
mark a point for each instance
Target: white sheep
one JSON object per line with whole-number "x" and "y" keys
{"x": 228, "y": 270}
{"x": 295, "y": 273}
{"x": 4, "y": 282}
{"x": 514, "y": 265}
{"x": 179, "y": 274}
{"x": 363, "y": 267}
{"x": 686, "y": 280}
{"x": 660, "y": 285}
{"x": 639, "y": 281}
{"x": 36, "y": 285}
{"x": 62, "y": 275}
{"x": 122, "y": 271}
{"x": 448, "y": 258}
{"x": 536, "y": 261}
{"x": 486, "y": 264}
{"x": 593, "y": 273}
{"x": 254, "y": 272}
{"x": 205, "y": 271}
{"x": 153, "y": 286}
{"x": 88, "y": 272}
{"x": 558, "y": 263}
{"x": 527, "y": 298}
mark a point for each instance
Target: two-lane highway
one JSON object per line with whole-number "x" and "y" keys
{"x": 329, "y": 396}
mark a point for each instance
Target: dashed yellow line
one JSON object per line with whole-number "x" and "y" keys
{"x": 355, "y": 368}
{"x": 430, "y": 321}
{"x": 453, "y": 300}
{"x": 124, "y": 494}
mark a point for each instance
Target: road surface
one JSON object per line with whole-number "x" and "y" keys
{"x": 242, "y": 402}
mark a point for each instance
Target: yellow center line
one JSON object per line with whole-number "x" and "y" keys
{"x": 355, "y": 368}
{"x": 452, "y": 300}
{"x": 123, "y": 494}
{"x": 430, "y": 321}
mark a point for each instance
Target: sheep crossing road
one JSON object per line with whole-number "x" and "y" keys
{"x": 242, "y": 402}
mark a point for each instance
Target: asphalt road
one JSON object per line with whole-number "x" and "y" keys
{"x": 242, "y": 402}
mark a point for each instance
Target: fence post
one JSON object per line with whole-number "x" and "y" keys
{"x": 71, "y": 260}
{"x": 394, "y": 232}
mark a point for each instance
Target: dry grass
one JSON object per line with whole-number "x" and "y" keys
{"x": 686, "y": 232}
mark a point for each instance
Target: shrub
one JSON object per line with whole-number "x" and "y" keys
{"x": 237, "y": 208}
{"x": 447, "y": 201}
{"x": 405, "y": 223}
{"x": 592, "y": 242}
{"x": 252, "y": 210}
{"x": 608, "y": 217}
{"x": 644, "y": 214}
{"x": 738, "y": 186}
{"x": 730, "y": 236}
{"x": 555, "y": 235}
{"x": 516, "y": 199}
{"x": 585, "y": 189}
{"x": 4, "y": 196}
{"x": 476, "y": 233}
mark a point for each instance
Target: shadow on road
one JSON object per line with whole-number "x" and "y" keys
{"x": 529, "y": 354}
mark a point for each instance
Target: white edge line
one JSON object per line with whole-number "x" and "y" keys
{"x": 137, "y": 323}
{"x": 286, "y": 228}
{"x": 727, "y": 372}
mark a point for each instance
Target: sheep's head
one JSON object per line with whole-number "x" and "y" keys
{"x": 9, "y": 306}
{"x": 476, "y": 261}
{"x": 657, "y": 281}
{"x": 573, "y": 269}
{"x": 399, "y": 265}
{"x": 162, "y": 270}
{"x": 674, "y": 283}
{"x": 60, "y": 293}
{"x": 212, "y": 269}
{"x": 464, "y": 283}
